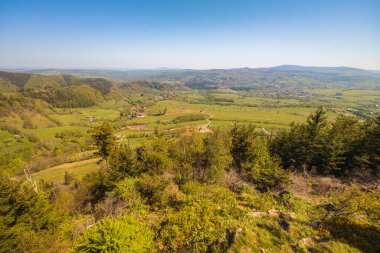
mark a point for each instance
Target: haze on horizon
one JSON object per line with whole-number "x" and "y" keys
{"x": 189, "y": 34}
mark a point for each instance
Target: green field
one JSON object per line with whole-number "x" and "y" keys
{"x": 48, "y": 133}
{"x": 227, "y": 114}
{"x": 99, "y": 113}
{"x": 77, "y": 169}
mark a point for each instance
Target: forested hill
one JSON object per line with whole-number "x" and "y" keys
{"x": 61, "y": 90}
{"x": 244, "y": 78}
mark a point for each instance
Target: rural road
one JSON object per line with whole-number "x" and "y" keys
{"x": 204, "y": 128}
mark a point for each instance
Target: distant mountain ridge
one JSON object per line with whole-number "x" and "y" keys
{"x": 312, "y": 68}
{"x": 239, "y": 78}
{"x": 287, "y": 67}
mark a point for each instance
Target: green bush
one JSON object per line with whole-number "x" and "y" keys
{"x": 264, "y": 170}
{"x": 196, "y": 227}
{"x": 123, "y": 234}
{"x": 159, "y": 191}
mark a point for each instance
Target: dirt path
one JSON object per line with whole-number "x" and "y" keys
{"x": 204, "y": 128}
{"x": 265, "y": 131}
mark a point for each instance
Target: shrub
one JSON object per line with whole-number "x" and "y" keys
{"x": 194, "y": 228}
{"x": 123, "y": 234}
{"x": 122, "y": 164}
{"x": 127, "y": 191}
{"x": 159, "y": 191}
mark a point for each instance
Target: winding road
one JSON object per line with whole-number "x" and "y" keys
{"x": 204, "y": 128}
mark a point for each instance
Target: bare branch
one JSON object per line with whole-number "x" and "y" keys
{"x": 28, "y": 175}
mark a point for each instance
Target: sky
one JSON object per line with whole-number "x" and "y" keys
{"x": 199, "y": 34}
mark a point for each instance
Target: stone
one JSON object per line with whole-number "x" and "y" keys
{"x": 308, "y": 241}
{"x": 258, "y": 214}
{"x": 273, "y": 213}
{"x": 288, "y": 216}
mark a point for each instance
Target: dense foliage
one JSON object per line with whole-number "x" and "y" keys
{"x": 124, "y": 234}
{"x": 63, "y": 97}
{"x": 346, "y": 146}
{"x": 234, "y": 189}
{"x": 27, "y": 221}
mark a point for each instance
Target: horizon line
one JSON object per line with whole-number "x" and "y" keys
{"x": 173, "y": 68}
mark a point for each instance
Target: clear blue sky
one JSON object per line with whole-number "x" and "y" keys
{"x": 189, "y": 33}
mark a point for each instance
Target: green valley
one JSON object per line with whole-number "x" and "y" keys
{"x": 269, "y": 169}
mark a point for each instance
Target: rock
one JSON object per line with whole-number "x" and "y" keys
{"x": 292, "y": 215}
{"x": 258, "y": 214}
{"x": 288, "y": 216}
{"x": 273, "y": 213}
{"x": 308, "y": 241}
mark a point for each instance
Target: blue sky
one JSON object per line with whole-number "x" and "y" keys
{"x": 189, "y": 33}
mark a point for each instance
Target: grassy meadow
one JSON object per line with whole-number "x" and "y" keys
{"x": 77, "y": 169}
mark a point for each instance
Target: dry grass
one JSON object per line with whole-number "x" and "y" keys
{"x": 314, "y": 188}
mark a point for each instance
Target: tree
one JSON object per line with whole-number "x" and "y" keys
{"x": 344, "y": 147}
{"x": 104, "y": 139}
{"x": 67, "y": 178}
{"x": 318, "y": 146}
{"x": 305, "y": 145}
{"x": 371, "y": 145}
{"x": 27, "y": 220}
{"x": 122, "y": 163}
{"x": 263, "y": 169}
{"x": 291, "y": 146}
{"x": 253, "y": 160}
{"x": 242, "y": 138}
{"x": 153, "y": 157}
{"x": 186, "y": 153}
{"x": 216, "y": 156}
{"x": 316, "y": 122}
{"x": 345, "y": 137}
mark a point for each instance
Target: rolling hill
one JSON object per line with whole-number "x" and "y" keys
{"x": 67, "y": 91}
{"x": 242, "y": 78}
